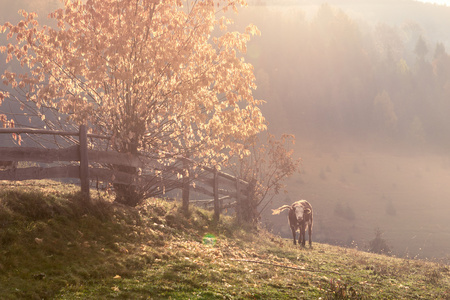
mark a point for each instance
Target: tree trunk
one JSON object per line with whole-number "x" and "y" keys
{"x": 84, "y": 164}
{"x": 127, "y": 194}
{"x": 248, "y": 206}
{"x": 185, "y": 192}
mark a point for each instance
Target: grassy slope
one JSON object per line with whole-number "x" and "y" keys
{"x": 52, "y": 247}
{"x": 404, "y": 194}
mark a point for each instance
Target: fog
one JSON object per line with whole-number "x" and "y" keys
{"x": 365, "y": 87}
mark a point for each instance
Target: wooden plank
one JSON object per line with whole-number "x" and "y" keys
{"x": 211, "y": 169}
{"x": 112, "y": 157}
{"x": 39, "y": 154}
{"x": 51, "y": 132}
{"x": 231, "y": 185}
{"x": 38, "y": 131}
{"x": 202, "y": 190}
{"x": 125, "y": 159}
{"x": 209, "y": 201}
{"x": 227, "y": 192}
{"x": 205, "y": 203}
{"x": 225, "y": 175}
{"x": 113, "y": 176}
{"x": 204, "y": 180}
{"x": 72, "y": 154}
{"x": 20, "y": 174}
{"x": 108, "y": 175}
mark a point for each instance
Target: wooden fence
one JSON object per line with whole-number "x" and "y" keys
{"x": 218, "y": 185}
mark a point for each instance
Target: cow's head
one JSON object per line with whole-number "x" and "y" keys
{"x": 302, "y": 214}
{"x": 299, "y": 214}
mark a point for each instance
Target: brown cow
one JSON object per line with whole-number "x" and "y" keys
{"x": 300, "y": 216}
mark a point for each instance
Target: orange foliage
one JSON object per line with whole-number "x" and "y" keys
{"x": 162, "y": 76}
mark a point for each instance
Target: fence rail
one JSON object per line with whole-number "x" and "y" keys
{"x": 232, "y": 187}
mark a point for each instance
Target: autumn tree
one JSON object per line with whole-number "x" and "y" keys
{"x": 163, "y": 78}
{"x": 384, "y": 111}
{"x": 421, "y": 49}
{"x": 270, "y": 163}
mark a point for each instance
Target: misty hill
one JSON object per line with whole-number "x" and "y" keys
{"x": 364, "y": 86}
{"x": 356, "y": 190}
{"x": 432, "y": 17}
{"x": 331, "y": 70}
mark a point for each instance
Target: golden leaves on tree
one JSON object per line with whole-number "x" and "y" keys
{"x": 150, "y": 73}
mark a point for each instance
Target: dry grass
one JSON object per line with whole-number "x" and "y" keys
{"x": 52, "y": 248}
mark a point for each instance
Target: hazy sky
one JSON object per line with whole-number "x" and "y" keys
{"x": 446, "y": 2}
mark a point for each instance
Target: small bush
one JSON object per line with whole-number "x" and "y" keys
{"x": 433, "y": 276}
{"x": 341, "y": 290}
{"x": 379, "y": 244}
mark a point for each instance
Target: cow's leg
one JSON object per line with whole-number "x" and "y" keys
{"x": 302, "y": 235}
{"x": 310, "y": 234}
{"x": 293, "y": 234}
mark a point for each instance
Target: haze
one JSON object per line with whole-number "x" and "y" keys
{"x": 362, "y": 85}
{"x": 439, "y": 2}
{"x": 365, "y": 87}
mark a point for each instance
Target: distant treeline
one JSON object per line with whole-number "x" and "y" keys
{"x": 325, "y": 72}
{"x": 328, "y": 74}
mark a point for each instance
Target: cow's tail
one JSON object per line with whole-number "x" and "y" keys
{"x": 280, "y": 209}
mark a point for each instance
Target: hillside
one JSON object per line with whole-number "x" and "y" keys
{"x": 53, "y": 248}
{"x": 358, "y": 84}
{"x": 357, "y": 188}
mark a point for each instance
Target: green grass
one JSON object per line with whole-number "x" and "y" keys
{"x": 52, "y": 247}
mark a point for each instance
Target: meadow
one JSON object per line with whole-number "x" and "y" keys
{"x": 357, "y": 190}
{"x": 54, "y": 248}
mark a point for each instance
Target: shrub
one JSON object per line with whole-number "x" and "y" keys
{"x": 379, "y": 244}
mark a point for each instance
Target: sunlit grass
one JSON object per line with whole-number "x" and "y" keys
{"x": 52, "y": 247}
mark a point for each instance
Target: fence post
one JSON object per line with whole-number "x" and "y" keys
{"x": 185, "y": 191}
{"x": 249, "y": 210}
{"x": 84, "y": 164}
{"x": 217, "y": 206}
{"x": 238, "y": 200}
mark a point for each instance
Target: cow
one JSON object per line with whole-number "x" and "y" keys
{"x": 300, "y": 216}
